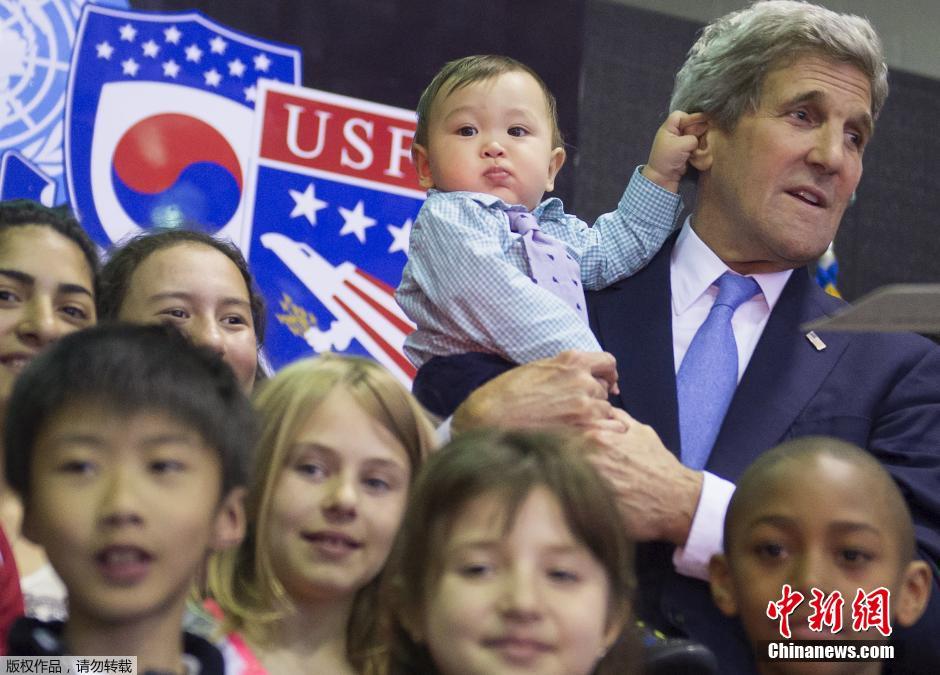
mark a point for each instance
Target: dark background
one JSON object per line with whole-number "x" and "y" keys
{"x": 611, "y": 68}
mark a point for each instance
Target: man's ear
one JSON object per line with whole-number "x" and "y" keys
{"x": 913, "y": 594}
{"x": 701, "y": 157}
{"x": 722, "y": 586}
{"x": 419, "y": 156}
{"x": 554, "y": 166}
{"x": 230, "y": 521}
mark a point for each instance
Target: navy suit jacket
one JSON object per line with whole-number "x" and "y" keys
{"x": 879, "y": 391}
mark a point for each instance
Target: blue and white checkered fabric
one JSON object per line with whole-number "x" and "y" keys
{"x": 467, "y": 284}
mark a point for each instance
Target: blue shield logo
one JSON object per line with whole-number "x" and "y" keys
{"x": 332, "y": 199}
{"x": 159, "y": 115}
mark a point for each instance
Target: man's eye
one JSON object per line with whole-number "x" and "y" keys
{"x": 801, "y": 115}
{"x": 466, "y": 131}
{"x": 8, "y": 296}
{"x": 855, "y": 139}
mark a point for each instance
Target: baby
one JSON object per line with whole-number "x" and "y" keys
{"x": 495, "y": 273}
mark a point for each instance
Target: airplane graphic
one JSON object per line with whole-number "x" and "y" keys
{"x": 364, "y": 307}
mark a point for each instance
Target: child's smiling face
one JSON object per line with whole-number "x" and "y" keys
{"x": 337, "y": 503}
{"x": 492, "y": 136}
{"x": 528, "y": 598}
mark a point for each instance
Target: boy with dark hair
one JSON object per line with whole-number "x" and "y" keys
{"x": 824, "y": 519}
{"x": 128, "y": 447}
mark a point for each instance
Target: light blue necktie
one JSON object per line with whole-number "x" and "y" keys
{"x": 708, "y": 375}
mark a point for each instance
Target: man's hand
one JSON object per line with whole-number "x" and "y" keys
{"x": 568, "y": 390}
{"x": 656, "y": 493}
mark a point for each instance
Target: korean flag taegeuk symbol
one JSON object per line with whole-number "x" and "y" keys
{"x": 159, "y": 113}
{"x": 332, "y": 199}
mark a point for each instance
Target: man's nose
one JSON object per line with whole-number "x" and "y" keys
{"x": 829, "y": 150}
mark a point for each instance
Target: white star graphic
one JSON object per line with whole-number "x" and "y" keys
{"x": 306, "y": 204}
{"x": 236, "y": 68}
{"x": 213, "y": 77}
{"x": 218, "y": 45}
{"x": 193, "y": 53}
{"x": 130, "y": 67}
{"x": 151, "y": 49}
{"x": 262, "y": 62}
{"x": 171, "y": 68}
{"x": 400, "y": 236}
{"x": 172, "y": 35}
{"x": 251, "y": 93}
{"x": 128, "y": 32}
{"x": 105, "y": 50}
{"x": 356, "y": 221}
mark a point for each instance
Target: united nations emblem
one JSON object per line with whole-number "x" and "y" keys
{"x": 35, "y": 49}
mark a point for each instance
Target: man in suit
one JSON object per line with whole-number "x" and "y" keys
{"x": 791, "y": 92}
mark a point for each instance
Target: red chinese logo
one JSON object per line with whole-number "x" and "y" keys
{"x": 869, "y": 610}
{"x": 827, "y": 611}
{"x": 784, "y": 607}
{"x": 872, "y": 611}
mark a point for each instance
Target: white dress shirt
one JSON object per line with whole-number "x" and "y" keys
{"x": 694, "y": 269}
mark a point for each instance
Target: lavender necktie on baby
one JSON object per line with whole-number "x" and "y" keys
{"x": 552, "y": 267}
{"x": 708, "y": 375}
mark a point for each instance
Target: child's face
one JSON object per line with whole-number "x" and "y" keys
{"x": 200, "y": 291}
{"x": 127, "y": 507}
{"x": 338, "y": 502}
{"x": 39, "y": 302}
{"x": 530, "y": 600}
{"x": 820, "y": 523}
{"x": 493, "y": 136}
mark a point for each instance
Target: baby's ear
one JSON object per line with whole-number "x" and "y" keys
{"x": 701, "y": 157}
{"x": 555, "y": 163}
{"x": 722, "y": 586}
{"x": 229, "y": 525}
{"x": 419, "y": 157}
{"x": 913, "y": 593}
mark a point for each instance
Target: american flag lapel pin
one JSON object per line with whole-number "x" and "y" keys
{"x": 816, "y": 341}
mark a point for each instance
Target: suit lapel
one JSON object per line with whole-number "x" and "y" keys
{"x": 633, "y": 321}
{"x": 784, "y": 373}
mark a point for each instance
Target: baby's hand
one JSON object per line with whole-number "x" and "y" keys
{"x": 674, "y": 143}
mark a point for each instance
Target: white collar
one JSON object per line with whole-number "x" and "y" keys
{"x": 695, "y": 267}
